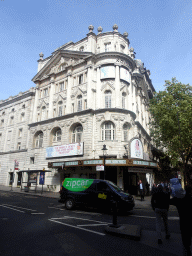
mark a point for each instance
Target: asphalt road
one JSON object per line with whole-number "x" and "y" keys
{"x": 42, "y": 226}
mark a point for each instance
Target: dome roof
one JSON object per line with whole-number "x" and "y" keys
{"x": 139, "y": 63}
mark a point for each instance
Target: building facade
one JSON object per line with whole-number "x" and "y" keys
{"x": 87, "y": 116}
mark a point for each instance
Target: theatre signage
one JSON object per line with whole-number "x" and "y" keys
{"x": 73, "y": 149}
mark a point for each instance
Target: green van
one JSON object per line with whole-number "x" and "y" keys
{"x": 95, "y": 193}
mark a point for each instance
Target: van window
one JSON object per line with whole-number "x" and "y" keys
{"x": 102, "y": 186}
{"x": 115, "y": 186}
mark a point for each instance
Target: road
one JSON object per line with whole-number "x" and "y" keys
{"x": 41, "y": 226}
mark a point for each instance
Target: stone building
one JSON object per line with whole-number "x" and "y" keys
{"x": 89, "y": 96}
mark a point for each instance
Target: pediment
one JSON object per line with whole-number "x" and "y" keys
{"x": 108, "y": 85}
{"x": 59, "y": 98}
{"x": 76, "y": 91}
{"x": 59, "y": 62}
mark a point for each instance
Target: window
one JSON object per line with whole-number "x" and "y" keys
{"x": 2, "y": 122}
{"x": 57, "y": 135}
{"x": 22, "y": 117}
{"x": 0, "y": 137}
{"x": 12, "y": 110}
{"x": 81, "y": 49}
{"x": 43, "y": 113}
{"x": 61, "y": 86}
{"x": 60, "y": 108}
{"x": 72, "y": 108}
{"x": 80, "y": 79}
{"x": 23, "y": 106}
{"x": 19, "y": 145}
{"x": 108, "y": 131}
{"x": 122, "y": 48}
{"x": 20, "y": 133}
{"x": 32, "y": 160}
{"x": 108, "y": 99}
{"x": 85, "y": 104}
{"x": 77, "y": 134}
{"x": 39, "y": 140}
{"x": 45, "y": 92}
{"x": 79, "y": 103}
{"x": 11, "y": 119}
{"x": 123, "y": 99}
{"x": 108, "y": 47}
{"x": 125, "y": 132}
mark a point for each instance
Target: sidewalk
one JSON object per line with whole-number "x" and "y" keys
{"x": 147, "y": 237}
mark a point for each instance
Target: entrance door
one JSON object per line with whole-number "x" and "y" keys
{"x": 19, "y": 179}
{"x": 130, "y": 182}
{"x": 11, "y": 179}
{"x": 111, "y": 173}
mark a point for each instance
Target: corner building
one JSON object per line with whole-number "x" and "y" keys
{"x": 88, "y": 96}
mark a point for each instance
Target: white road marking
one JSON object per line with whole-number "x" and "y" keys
{"x": 150, "y": 217}
{"x": 92, "y": 224}
{"x": 57, "y": 208}
{"x": 20, "y": 207}
{"x": 98, "y": 233}
{"x": 91, "y": 213}
{"x": 68, "y": 217}
{"x": 37, "y": 213}
{"x": 12, "y": 208}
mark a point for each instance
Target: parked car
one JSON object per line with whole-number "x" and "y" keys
{"x": 100, "y": 194}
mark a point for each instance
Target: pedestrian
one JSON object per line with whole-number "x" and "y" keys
{"x": 160, "y": 204}
{"x": 147, "y": 188}
{"x": 154, "y": 187}
{"x": 141, "y": 190}
{"x": 183, "y": 202}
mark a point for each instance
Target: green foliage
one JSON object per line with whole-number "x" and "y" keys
{"x": 171, "y": 125}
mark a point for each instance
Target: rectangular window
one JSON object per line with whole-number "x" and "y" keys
{"x": 73, "y": 138}
{"x": 32, "y": 160}
{"x": 22, "y": 117}
{"x": 61, "y": 86}
{"x": 85, "y": 104}
{"x": 108, "y": 47}
{"x": 64, "y": 111}
{"x": 20, "y": 133}
{"x": 72, "y": 108}
{"x": 45, "y": 92}
{"x": 123, "y": 102}
{"x": 19, "y": 145}
{"x": 79, "y": 105}
{"x": 2, "y": 122}
{"x": 78, "y": 137}
{"x": 80, "y": 79}
{"x": 11, "y": 120}
{"x": 108, "y": 101}
{"x": 125, "y": 135}
{"x": 54, "y": 112}
{"x": 60, "y": 110}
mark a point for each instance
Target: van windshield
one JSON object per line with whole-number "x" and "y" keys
{"x": 115, "y": 186}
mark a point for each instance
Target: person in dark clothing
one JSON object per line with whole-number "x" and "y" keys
{"x": 147, "y": 188}
{"x": 184, "y": 208}
{"x": 153, "y": 188}
{"x": 141, "y": 190}
{"x": 160, "y": 204}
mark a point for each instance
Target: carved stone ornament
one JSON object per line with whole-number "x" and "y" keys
{"x": 83, "y": 120}
{"x": 69, "y": 123}
{"x": 114, "y": 117}
{"x": 123, "y": 62}
{"x": 100, "y": 118}
{"x": 108, "y": 83}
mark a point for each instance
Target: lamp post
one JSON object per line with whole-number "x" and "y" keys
{"x": 104, "y": 157}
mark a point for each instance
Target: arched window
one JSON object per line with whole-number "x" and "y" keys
{"x": 123, "y": 99}
{"x": 77, "y": 134}
{"x": 22, "y": 117}
{"x": 126, "y": 127}
{"x": 11, "y": 119}
{"x": 60, "y": 108}
{"x": 108, "y": 131}
{"x": 39, "y": 140}
{"x": 57, "y": 135}
{"x": 81, "y": 49}
{"x": 79, "y": 103}
{"x": 107, "y": 99}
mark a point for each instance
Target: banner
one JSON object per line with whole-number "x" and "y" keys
{"x": 124, "y": 75}
{"x": 136, "y": 149}
{"x": 108, "y": 72}
{"x": 74, "y": 149}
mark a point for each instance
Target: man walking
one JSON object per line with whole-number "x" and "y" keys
{"x": 141, "y": 190}
{"x": 160, "y": 204}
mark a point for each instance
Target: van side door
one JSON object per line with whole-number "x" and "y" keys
{"x": 103, "y": 195}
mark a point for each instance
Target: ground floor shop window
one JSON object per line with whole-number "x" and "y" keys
{"x": 19, "y": 179}
{"x": 11, "y": 179}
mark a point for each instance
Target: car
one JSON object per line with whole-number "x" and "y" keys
{"x": 96, "y": 193}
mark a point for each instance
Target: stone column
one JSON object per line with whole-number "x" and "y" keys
{"x": 133, "y": 98}
{"x": 37, "y": 92}
{"x": 117, "y": 89}
{"x": 70, "y": 84}
{"x": 90, "y": 99}
{"x": 52, "y": 91}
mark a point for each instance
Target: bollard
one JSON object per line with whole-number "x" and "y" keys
{"x": 114, "y": 225}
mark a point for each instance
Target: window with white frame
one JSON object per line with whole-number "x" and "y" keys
{"x": 2, "y": 122}
{"x": 85, "y": 104}
{"x": 12, "y": 110}
{"x": 77, "y": 134}
{"x": 79, "y": 103}
{"x": 72, "y": 107}
{"x": 81, "y": 79}
{"x": 108, "y": 131}
{"x": 107, "y": 47}
{"x": 126, "y": 127}
{"x": 81, "y": 49}
{"x": 57, "y": 135}
{"x": 60, "y": 108}
{"x": 122, "y": 48}
{"x": 123, "y": 99}
{"x": 45, "y": 92}
{"x": 19, "y": 145}
{"x": 0, "y": 137}
{"x": 20, "y": 132}
{"x": 39, "y": 140}
{"x": 22, "y": 117}
{"x": 107, "y": 99}
{"x": 43, "y": 113}
{"x": 61, "y": 86}
{"x": 11, "y": 119}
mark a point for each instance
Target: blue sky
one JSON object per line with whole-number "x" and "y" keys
{"x": 159, "y": 31}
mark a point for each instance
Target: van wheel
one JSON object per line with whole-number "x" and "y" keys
{"x": 69, "y": 204}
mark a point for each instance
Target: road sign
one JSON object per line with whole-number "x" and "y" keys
{"x": 100, "y": 168}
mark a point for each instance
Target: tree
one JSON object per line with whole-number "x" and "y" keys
{"x": 171, "y": 124}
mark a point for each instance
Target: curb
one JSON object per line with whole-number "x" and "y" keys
{"x": 129, "y": 231}
{"x": 28, "y": 193}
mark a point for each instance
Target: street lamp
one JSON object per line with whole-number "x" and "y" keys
{"x": 104, "y": 157}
